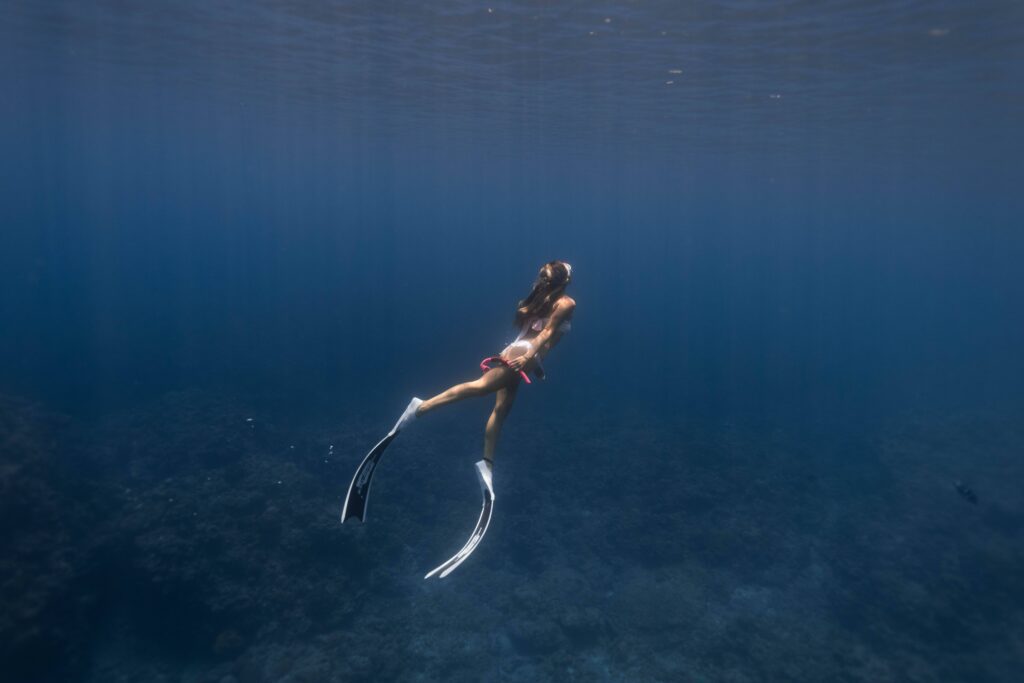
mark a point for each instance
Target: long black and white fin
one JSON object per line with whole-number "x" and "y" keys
{"x": 483, "y": 472}
{"x": 359, "y": 490}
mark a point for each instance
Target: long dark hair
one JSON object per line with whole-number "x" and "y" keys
{"x": 553, "y": 278}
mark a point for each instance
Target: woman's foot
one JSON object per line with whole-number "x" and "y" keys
{"x": 409, "y": 415}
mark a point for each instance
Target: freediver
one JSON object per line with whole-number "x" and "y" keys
{"x": 542, "y": 319}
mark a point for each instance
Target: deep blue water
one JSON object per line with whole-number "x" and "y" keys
{"x": 795, "y": 229}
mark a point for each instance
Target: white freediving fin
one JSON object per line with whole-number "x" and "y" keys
{"x": 408, "y": 416}
{"x": 359, "y": 490}
{"x": 483, "y": 472}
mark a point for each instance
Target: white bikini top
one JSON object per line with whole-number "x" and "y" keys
{"x": 538, "y": 324}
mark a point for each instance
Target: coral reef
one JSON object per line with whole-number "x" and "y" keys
{"x": 48, "y": 536}
{"x": 196, "y": 539}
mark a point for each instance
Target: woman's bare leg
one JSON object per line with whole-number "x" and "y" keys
{"x": 502, "y": 404}
{"x": 489, "y": 382}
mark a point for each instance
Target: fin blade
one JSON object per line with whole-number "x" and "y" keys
{"x": 482, "y": 523}
{"x": 359, "y": 489}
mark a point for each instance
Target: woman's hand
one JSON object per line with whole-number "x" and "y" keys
{"x": 518, "y": 363}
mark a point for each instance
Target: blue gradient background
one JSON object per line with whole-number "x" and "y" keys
{"x": 816, "y": 224}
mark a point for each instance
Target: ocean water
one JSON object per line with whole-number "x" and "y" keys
{"x": 236, "y": 238}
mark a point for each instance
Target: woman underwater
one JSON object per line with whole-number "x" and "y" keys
{"x": 542, "y": 318}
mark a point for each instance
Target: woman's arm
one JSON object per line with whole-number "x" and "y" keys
{"x": 563, "y": 309}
